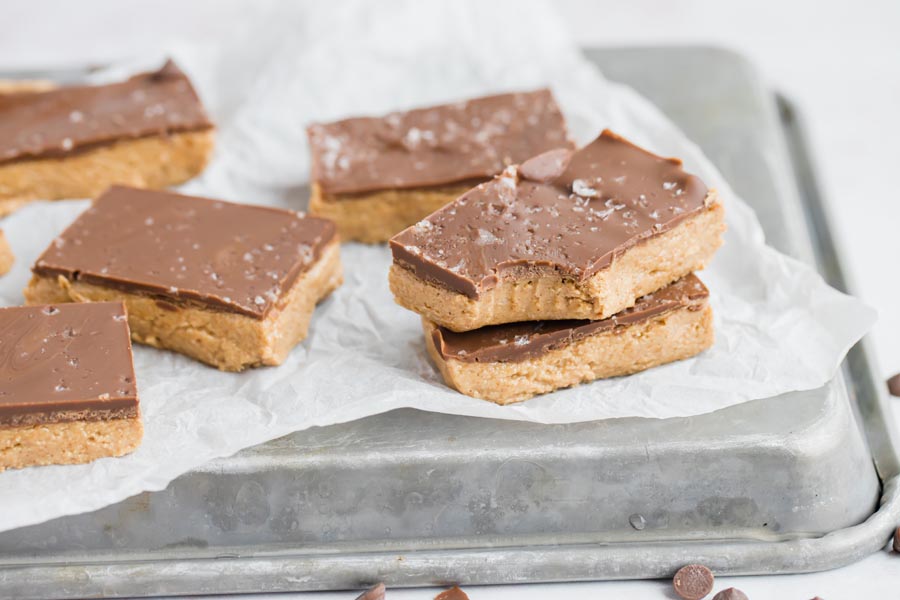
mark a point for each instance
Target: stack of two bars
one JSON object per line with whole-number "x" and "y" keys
{"x": 571, "y": 267}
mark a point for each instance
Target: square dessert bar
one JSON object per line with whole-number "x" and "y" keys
{"x": 513, "y": 362}
{"x": 566, "y": 235}
{"x": 74, "y": 142}
{"x": 374, "y": 176}
{"x": 232, "y": 285}
{"x": 67, "y": 387}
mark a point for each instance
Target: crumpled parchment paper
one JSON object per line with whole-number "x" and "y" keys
{"x": 779, "y": 326}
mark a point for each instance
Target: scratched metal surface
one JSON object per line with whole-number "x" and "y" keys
{"x": 778, "y": 485}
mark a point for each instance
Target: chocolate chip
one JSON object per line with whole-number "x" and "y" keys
{"x": 693, "y": 582}
{"x": 897, "y": 540}
{"x": 376, "y": 592}
{"x": 894, "y": 385}
{"x": 453, "y": 593}
{"x": 731, "y": 594}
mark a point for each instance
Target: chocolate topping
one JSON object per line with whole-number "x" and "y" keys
{"x": 232, "y": 257}
{"x": 610, "y": 196}
{"x": 427, "y": 147}
{"x": 65, "y": 362}
{"x": 69, "y": 119}
{"x": 515, "y": 342}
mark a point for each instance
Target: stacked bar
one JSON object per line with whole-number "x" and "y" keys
{"x": 573, "y": 266}
{"x": 375, "y": 176}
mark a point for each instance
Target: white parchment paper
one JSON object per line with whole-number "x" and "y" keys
{"x": 779, "y": 326}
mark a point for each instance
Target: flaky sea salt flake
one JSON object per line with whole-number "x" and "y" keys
{"x": 485, "y": 237}
{"x": 583, "y": 189}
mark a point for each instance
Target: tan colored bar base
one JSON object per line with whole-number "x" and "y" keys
{"x": 377, "y": 217}
{"x": 68, "y": 443}
{"x": 22, "y": 86}
{"x": 546, "y": 295}
{"x": 229, "y": 341}
{"x": 673, "y": 336}
{"x": 7, "y": 258}
{"x": 153, "y": 162}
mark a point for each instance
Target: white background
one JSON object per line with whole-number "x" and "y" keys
{"x": 840, "y": 61}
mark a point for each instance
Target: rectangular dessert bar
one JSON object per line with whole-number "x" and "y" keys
{"x": 374, "y": 176}
{"x": 563, "y": 236}
{"x": 513, "y": 362}
{"x": 73, "y": 142}
{"x": 67, "y": 387}
{"x": 232, "y": 285}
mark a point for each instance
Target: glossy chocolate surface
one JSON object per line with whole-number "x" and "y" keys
{"x": 65, "y": 362}
{"x": 571, "y": 212}
{"x": 520, "y": 341}
{"x": 231, "y": 257}
{"x": 467, "y": 141}
{"x": 63, "y": 121}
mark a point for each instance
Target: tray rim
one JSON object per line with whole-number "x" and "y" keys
{"x": 860, "y": 366}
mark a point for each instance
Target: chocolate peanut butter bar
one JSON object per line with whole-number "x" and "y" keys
{"x": 566, "y": 235}
{"x": 513, "y": 362}
{"x": 374, "y": 176}
{"x": 73, "y": 142}
{"x": 231, "y": 285}
{"x": 67, "y": 387}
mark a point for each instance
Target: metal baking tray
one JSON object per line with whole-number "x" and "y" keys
{"x": 801, "y": 482}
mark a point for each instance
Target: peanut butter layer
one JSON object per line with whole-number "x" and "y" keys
{"x": 377, "y": 216}
{"x": 7, "y": 258}
{"x": 570, "y": 212}
{"x": 150, "y": 162}
{"x": 515, "y": 342}
{"x": 21, "y": 86}
{"x": 227, "y": 340}
{"x": 69, "y": 442}
{"x": 453, "y": 143}
{"x": 181, "y": 249}
{"x": 68, "y": 120}
{"x": 64, "y": 363}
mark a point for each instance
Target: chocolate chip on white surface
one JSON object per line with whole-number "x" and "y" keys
{"x": 693, "y": 582}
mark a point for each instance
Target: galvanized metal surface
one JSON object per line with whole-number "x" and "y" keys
{"x": 779, "y": 485}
